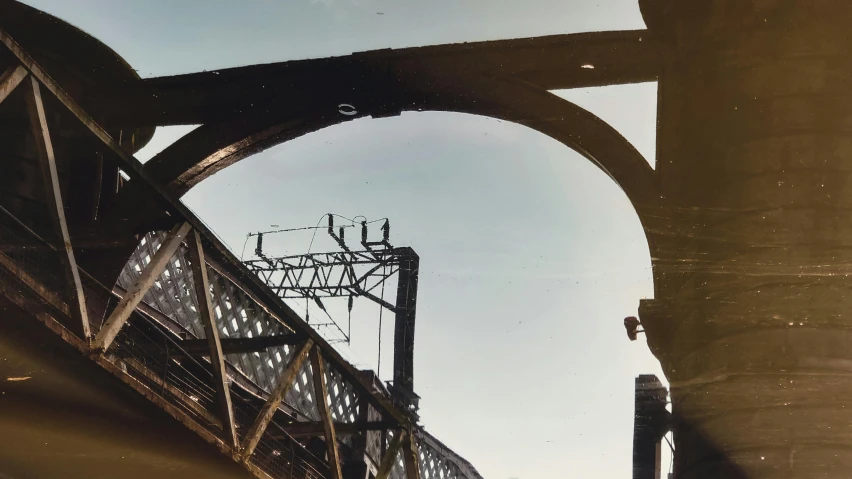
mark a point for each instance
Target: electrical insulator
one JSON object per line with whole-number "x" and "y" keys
{"x": 351, "y": 300}
{"x": 319, "y": 303}
{"x": 386, "y": 231}
{"x": 364, "y": 232}
{"x": 258, "y": 250}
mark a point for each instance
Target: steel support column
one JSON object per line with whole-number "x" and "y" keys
{"x": 211, "y": 333}
{"x": 411, "y": 457}
{"x": 135, "y": 294}
{"x": 285, "y": 382}
{"x": 53, "y": 197}
{"x": 389, "y": 459}
{"x": 650, "y": 424}
{"x": 321, "y": 400}
{"x": 10, "y": 79}
{"x": 403, "y": 336}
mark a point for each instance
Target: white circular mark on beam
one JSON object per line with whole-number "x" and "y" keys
{"x": 347, "y": 109}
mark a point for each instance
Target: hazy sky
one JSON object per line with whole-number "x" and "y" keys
{"x": 530, "y": 256}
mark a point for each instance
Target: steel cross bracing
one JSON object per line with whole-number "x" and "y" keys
{"x": 344, "y": 273}
{"x": 324, "y": 275}
{"x": 184, "y": 286}
{"x": 239, "y": 316}
{"x": 354, "y": 274}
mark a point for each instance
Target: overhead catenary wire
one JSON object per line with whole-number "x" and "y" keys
{"x": 353, "y": 224}
{"x": 305, "y": 228}
{"x": 288, "y": 230}
{"x": 329, "y": 325}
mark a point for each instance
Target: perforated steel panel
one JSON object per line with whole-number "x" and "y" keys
{"x": 237, "y": 315}
{"x": 437, "y": 461}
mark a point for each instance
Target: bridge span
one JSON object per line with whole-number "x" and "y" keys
{"x": 137, "y": 315}
{"x": 125, "y": 328}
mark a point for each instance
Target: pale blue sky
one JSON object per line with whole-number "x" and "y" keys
{"x": 530, "y": 256}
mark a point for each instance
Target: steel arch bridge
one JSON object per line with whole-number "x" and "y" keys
{"x": 73, "y": 114}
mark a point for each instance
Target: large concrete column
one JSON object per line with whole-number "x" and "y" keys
{"x": 752, "y": 316}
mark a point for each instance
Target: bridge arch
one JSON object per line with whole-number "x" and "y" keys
{"x": 347, "y": 164}
{"x": 215, "y": 146}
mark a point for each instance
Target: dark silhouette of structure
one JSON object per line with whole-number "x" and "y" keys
{"x": 631, "y": 324}
{"x": 651, "y": 421}
{"x": 746, "y": 216}
{"x": 354, "y": 274}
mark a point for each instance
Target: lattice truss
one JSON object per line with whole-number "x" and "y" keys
{"x": 237, "y": 316}
{"x": 343, "y": 274}
{"x": 435, "y": 465}
{"x": 136, "y": 342}
{"x": 325, "y": 275}
{"x": 398, "y": 471}
{"x": 435, "y": 461}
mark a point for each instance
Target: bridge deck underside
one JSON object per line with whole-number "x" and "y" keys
{"x": 70, "y": 417}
